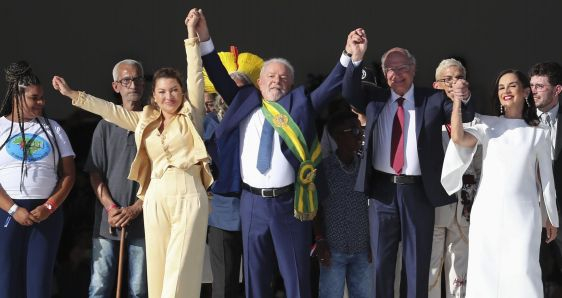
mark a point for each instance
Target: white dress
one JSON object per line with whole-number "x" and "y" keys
{"x": 505, "y": 223}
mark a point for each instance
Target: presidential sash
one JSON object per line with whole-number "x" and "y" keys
{"x": 306, "y": 198}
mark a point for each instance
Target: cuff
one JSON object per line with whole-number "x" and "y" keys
{"x": 207, "y": 47}
{"x": 191, "y": 41}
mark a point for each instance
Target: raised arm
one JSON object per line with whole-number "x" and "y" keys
{"x": 458, "y": 135}
{"x": 194, "y": 70}
{"x": 356, "y": 43}
{"x": 107, "y": 110}
{"x": 222, "y": 81}
{"x": 351, "y": 89}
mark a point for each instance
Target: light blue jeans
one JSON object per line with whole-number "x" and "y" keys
{"x": 353, "y": 269}
{"x": 105, "y": 254}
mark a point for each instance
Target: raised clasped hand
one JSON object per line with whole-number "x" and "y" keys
{"x": 60, "y": 85}
{"x": 460, "y": 90}
{"x": 356, "y": 44}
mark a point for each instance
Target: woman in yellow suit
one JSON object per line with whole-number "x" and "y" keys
{"x": 172, "y": 169}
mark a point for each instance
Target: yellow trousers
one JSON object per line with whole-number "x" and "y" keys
{"x": 175, "y": 212}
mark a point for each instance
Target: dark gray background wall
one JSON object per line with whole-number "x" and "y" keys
{"x": 82, "y": 40}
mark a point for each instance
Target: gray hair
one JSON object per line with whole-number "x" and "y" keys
{"x": 282, "y": 61}
{"x": 240, "y": 76}
{"x": 400, "y": 50}
{"x": 128, "y": 62}
{"x": 446, "y": 63}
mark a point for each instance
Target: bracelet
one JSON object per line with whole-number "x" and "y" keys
{"x": 111, "y": 207}
{"x": 346, "y": 53}
{"x": 50, "y": 205}
{"x": 13, "y": 209}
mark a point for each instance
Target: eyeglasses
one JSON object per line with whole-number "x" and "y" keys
{"x": 354, "y": 131}
{"x": 398, "y": 69}
{"x": 451, "y": 80}
{"x": 539, "y": 87}
{"x": 127, "y": 81}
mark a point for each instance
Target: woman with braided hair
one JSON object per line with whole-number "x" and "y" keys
{"x": 36, "y": 175}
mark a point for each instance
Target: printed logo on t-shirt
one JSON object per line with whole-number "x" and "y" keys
{"x": 37, "y": 147}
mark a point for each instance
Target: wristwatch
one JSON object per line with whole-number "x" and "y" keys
{"x": 346, "y": 53}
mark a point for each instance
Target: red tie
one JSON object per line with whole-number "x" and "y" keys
{"x": 397, "y": 143}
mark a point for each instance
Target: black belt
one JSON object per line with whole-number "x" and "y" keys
{"x": 399, "y": 179}
{"x": 269, "y": 192}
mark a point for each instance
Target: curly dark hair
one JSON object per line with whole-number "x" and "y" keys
{"x": 529, "y": 108}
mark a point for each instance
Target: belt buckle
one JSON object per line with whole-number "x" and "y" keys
{"x": 395, "y": 179}
{"x": 267, "y": 193}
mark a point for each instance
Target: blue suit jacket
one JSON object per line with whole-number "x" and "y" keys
{"x": 433, "y": 109}
{"x": 243, "y": 101}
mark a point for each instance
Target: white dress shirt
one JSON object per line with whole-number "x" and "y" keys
{"x": 553, "y": 127}
{"x": 281, "y": 172}
{"x": 382, "y": 135}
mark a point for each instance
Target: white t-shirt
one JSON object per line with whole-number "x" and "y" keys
{"x": 40, "y": 168}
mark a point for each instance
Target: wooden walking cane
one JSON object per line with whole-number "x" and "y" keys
{"x": 120, "y": 264}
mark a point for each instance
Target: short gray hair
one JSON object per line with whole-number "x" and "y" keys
{"x": 238, "y": 75}
{"x": 282, "y": 61}
{"x": 446, "y": 63}
{"x": 128, "y": 62}
{"x": 400, "y": 50}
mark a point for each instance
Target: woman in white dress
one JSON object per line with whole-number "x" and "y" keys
{"x": 517, "y": 180}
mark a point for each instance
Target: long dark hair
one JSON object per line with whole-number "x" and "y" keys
{"x": 529, "y": 109}
{"x": 19, "y": 75}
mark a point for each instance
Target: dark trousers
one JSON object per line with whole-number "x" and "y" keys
{"x": 408, "y": 217}
{"x": 225, "y": 250}
{"x": 269, "y": 229}
{"x": 27, "y": 254}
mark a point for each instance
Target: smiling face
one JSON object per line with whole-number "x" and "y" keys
{"x": 399, "y": 71}
{"x": 545, "y": 94}
{"x": 275, "y": 81}
{"x": 33, "y": 102}
{"x": 168, "y": 95}
{"x": 512, "y": 93}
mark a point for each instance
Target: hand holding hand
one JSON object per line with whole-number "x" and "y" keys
{"x": 356, "y": 44}
{"x": 197, "y": 17}
{"x": 60, "y": 85}
{"x": 39, "y": 214}
{"x": 191, "y": 21}
{"x": 22, "y": 216}
{"x": 460, "y": 90}
{"x": 127, "y": 214}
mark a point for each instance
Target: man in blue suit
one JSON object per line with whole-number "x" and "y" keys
{"x": 401, "y": 166}
{"x": 269, "y": 228}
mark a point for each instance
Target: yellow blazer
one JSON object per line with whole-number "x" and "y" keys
{"x": 190, "y": 120}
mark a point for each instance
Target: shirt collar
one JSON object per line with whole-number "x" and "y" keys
{"x": 553, "y": 113}
{"x": 408, "y": 96}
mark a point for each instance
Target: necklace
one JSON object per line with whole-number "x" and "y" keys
{"x": 348, "y": 169}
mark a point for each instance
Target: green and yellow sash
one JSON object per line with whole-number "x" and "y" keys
{"x": 306, "y": 198}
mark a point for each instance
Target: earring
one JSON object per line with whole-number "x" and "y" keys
{"x": 501, "y": 109}
{"x": 527, "y": 101}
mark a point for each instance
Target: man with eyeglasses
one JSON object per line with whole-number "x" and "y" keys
{"x": 111, "y": 153}
{"x": 401, "y": 167}
{"x": 449, "y": 253}
{"x": 546, "y": 86}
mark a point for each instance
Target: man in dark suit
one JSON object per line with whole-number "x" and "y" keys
{"x": 269, "y": 228}
{"x": 401, "y": 166}
{"x": 546, "y": 86}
